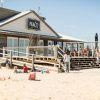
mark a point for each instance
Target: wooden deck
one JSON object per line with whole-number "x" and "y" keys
{"x": 77, "y": 63}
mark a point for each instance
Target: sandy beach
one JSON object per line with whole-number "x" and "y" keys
{"x": 76, "y": 85}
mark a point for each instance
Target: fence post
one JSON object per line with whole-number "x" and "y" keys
{"x": 78, "y": 53}
{"x": 3, "y": 52}
{"x": 33, "y": 68}
{"x": 11, "y": 58}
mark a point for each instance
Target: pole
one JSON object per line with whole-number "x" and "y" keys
{"x": 69, "y": 65}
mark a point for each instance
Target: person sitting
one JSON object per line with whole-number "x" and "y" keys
{"x": 15, "y": 69}
{"x": 85, "y": 52}
{"x": 7, "y": 63}
{"x": 25, "y": 68}
{"x": 75, "y": 53}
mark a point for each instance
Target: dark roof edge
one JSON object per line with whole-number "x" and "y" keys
{"x": 10, "y": 9}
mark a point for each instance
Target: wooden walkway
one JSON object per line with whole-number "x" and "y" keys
{"x": 19, "y": 61}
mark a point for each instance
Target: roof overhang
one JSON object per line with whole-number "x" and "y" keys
{"x": 26, "y": 35}
{"x": 66, "y": 38}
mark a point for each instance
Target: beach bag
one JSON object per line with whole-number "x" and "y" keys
{"x": 32, "y": 76}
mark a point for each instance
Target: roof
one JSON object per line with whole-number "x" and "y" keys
{"x": 7, "y": 13}
{"x": 65, "y": 37}
{"x": 23, "y": 14}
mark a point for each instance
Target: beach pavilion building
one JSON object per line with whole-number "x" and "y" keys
{"x": 21, "y": 29}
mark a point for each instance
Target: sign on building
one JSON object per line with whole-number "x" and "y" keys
{"x": 33, "y": 24}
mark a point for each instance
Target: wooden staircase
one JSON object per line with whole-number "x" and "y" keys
{"x": 83, "y": 63}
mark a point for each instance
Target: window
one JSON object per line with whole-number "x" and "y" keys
{"x": 23, "y": 43}
{"x": 12, "y": 43}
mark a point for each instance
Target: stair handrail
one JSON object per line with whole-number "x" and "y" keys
{"x": 60, "y": 52}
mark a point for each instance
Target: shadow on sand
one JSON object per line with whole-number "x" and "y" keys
{"x": 75, "y": 72}
{"x": 35, "y": 80}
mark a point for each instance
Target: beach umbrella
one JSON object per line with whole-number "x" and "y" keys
{"x": 96, "y": 41}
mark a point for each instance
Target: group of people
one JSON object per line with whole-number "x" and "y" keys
{"x": 66, "y": 58}
{"x": 24, "y": 70}
{"x": 7, "y": 64}
{"x": 82, "y": 52}
{"x": 16, "y": 70}
{"x": 85, "y": 52}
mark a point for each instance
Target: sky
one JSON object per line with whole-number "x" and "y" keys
{"x": 77, "y": 18}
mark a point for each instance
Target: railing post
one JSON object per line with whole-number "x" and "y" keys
{"x": 33, "y": 68}
{"x": 92, "y": 50}
{"x": 11, "y": 58}
{"x": 3, "y": 52}
{"x": 59, "y": 67}
{"x": 55, "y": 51}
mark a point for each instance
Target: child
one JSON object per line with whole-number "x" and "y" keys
{"x": 15, "y": 69}
{"x": 25, "y": 68}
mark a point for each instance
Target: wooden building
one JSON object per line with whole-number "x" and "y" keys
{"x": 21, "y": 29}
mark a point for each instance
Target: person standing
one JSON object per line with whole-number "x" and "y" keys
{"x": 66, "y": 60}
